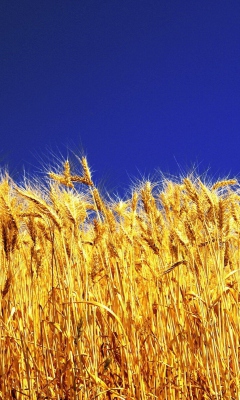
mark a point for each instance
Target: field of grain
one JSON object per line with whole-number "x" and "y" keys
{"x": 134, "y": 299}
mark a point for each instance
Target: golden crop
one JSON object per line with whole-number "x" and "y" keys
{"x": 134, "y": 299}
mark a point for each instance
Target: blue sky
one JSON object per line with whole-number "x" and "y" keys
{"x": 139, "y": 85}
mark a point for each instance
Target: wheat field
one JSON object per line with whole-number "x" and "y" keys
{"x": 134, "y": 299}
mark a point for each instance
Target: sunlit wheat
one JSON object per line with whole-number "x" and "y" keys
{"x": 134, "y": 299}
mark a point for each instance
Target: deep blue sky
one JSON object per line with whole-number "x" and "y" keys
{"x": 141, "y": 85}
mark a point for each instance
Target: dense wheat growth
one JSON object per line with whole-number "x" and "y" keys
{"x": 134, "y": 299}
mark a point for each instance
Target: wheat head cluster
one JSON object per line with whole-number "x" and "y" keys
{"x": 119, "y": 299}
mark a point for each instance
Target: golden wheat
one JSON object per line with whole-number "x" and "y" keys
{"x": 135, "y": 299}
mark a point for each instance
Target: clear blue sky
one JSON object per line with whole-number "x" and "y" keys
{"x": 141, "y": 85}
